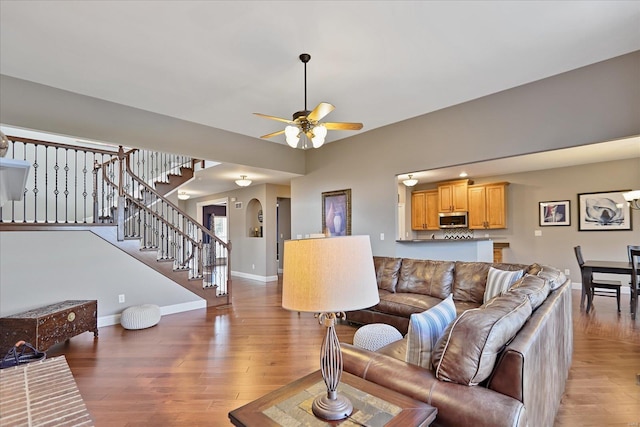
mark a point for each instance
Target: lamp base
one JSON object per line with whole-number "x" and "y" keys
{"x": 332, "y": 409}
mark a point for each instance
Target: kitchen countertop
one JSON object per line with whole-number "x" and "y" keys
{"x": 475, "y": 239}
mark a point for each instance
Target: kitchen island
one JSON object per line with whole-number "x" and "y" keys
{"x": 474, "y": 249}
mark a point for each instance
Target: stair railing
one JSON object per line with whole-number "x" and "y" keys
{"x": 65, "y": 187}
{"x": 144, "y": 213}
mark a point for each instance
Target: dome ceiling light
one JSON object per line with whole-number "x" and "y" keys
{"x": 243, "y": 181}
{"x": 410, "y": 182}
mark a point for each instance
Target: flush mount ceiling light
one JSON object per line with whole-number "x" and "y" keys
{"x": 410, "y": 182}
{"x": 183, "y": 195}
{"x": 306, "y": 123}
{"x": 243, "y": 181}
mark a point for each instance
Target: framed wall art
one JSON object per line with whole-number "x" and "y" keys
{"x": 603, "y": 211}
{"x": 336, "y": 213}
{"x": 555, "y": 213}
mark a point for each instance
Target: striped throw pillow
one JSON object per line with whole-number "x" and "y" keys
{"x": 499, "y": 281}
{"x": 425, "y": 329}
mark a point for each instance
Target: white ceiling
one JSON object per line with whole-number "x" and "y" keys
{"x": 378, "y": 62}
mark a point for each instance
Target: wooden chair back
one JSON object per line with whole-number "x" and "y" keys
{"x": 578, "y": 252}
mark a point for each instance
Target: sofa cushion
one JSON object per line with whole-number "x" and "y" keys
{"x": 534, "y": 287}
{"x": 426, "y": 277}
{"x": 467, "y": 351}
{"x": 553, "y": 275}
{"x": 405, "y": 304}
{"x": 425, "y": 329}
{"x": 387, "y": 271}
{"x": 499, "y": 281}
{"x": 470, "y": 279}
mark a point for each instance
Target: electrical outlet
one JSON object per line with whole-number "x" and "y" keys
{"x": 567, "y": 272}
{"x": 253, "y": 266}
{"x": 381, "y": 236}
{"x": 121, "y": 298}
{"x": 537, "y": 233}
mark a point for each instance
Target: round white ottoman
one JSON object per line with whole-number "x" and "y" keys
{"x": 375, "y": 336}
{"x": 140, "y": 316}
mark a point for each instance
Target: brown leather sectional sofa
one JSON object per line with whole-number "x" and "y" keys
{"x": 527, "y": 379}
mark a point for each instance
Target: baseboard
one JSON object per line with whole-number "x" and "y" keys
{"x": 623, "y": 289}
{"x": 254, "y": 276}
{"x": 114, "y": 319}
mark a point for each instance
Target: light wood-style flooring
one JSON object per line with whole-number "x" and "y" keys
{"x": 195, "y": 367}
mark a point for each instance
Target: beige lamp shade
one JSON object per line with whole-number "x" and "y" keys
{"x": 329, "y": 275}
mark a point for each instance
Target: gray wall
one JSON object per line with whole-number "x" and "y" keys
{"x": 555, "y": 246}
{"x": 251, "y": 257}
{"x": 597, "y": 103}
{"x": 39, "y": 268}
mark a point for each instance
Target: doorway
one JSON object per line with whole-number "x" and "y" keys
{"x": 283, "y": 231}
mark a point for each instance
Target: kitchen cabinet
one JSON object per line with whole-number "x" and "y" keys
{"x": 424, "y": 210}
{"x": 497, "y": 251}
{"x": 487, "y": 206}
{"x": 452, "y": 196}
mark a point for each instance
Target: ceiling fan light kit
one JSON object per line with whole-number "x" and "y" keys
{"x": 306, "y": 124}
{"x": 243, "y": 181}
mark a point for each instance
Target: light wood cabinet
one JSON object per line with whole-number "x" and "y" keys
{"x": 452, "y": 196}
{"x": 487, "y": 206}
{"x": 424, "y": 210}
{"x": 497, "y": 251}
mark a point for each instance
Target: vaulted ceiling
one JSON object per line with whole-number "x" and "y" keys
{"x": 379, "y": 62}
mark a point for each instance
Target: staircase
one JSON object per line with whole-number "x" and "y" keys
{"x": 120, "y": 197}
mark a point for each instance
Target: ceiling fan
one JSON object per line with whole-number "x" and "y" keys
{"x": 307, "y": 122}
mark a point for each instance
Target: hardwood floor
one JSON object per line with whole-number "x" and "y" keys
{"x": 195, "y": 367}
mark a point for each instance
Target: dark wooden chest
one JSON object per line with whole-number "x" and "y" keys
{"x": 45, "y": 326}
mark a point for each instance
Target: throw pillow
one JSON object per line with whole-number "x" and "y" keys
{"x": 499, "y": 281}
{"x": 553, "y": 275}
{"x": 534, "y": 287}
{"x": 425, "y": 329}
{"x": 467, "y": 351}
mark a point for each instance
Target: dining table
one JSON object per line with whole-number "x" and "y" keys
{"x": 610, "y": 267}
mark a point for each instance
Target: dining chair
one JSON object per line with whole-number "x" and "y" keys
{"x": 634, "y": 259}
{"x": 603, "y": 288}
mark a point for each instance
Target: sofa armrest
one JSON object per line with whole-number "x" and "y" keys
{"x": 457, "y": 404}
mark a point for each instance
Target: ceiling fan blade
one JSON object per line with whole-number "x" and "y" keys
{"x": 320, "y": 111}
{"x": 343, "y": 126}
{"x": 269, "y": 135}
{"x": 274, "y": 118}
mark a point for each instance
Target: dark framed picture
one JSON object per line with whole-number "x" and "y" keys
{"x": 555, "y": 213}
{"x": 336, "y": 213}
{"x": 603, "y": 211}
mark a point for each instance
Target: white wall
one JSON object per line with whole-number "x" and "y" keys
{"x": 39, "y": 268}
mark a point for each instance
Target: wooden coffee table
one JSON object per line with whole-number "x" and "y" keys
{"x": 374, "y": 405}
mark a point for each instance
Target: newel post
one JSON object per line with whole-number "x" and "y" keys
{"x": 121, "y": 200}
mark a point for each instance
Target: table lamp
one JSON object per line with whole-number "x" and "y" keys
{"x": 329, "y": 276}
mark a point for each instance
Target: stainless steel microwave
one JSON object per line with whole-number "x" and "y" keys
{"x": 453, "y": 220}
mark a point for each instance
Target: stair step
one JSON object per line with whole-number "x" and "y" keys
{"x": 149, "y": 248}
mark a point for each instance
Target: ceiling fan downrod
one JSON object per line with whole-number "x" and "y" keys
{"x": 305, "y": 57}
